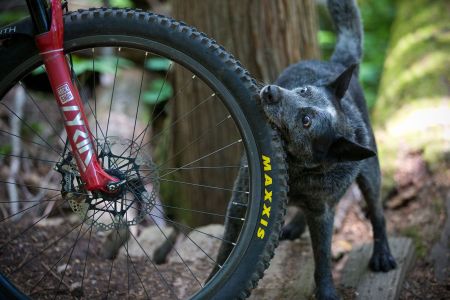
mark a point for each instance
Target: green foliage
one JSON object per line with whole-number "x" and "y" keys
{"x": 420, "y": 246}
{"x": 416, "y": 68}
{"x": 10, "y": 16}
{"x": 105, "y": 64}
{"x": 112, "y": 3}
{"x": 121, "y": 3}
{"x": 159, "y": 90}
{"x": 5, "y": 149}
{"x": 327, "y": 39}
{"x": 35, "y": 127}
{"x": 377, "y": 19}
{"x": 158, "y": 64}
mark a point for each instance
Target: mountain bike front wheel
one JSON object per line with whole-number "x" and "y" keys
{"x": 200, "y": 209}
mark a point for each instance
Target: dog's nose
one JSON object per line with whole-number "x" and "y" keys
{"x": 270, "y": 94}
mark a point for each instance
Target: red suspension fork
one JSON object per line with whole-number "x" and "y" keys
{"x": 50, "y": 45}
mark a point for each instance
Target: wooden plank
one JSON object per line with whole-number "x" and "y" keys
{"x": 440, "y": 251}
{"x": 291, "y": 273}
{"x": 371, "y": 285}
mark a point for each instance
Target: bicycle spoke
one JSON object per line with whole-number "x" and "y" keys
{"x": 193, "y": 229}
{"x": 25, "y": 140}
{"x": 112, "y": 93}
{"x": 86, "y": 257}
{"x": 150, "y": 121}
{"x": 49, "y": 270}
{"x": 28, "y": 201}
{"x": 70, "y": 257}
{"x": 40, "y": 111}
{"x": 139, "y": 98}
{"x": 202, "y": 157}
{"x": 29, "y": 227}
{"x": 199, "y": 168}
{"x": 168, "y": 128}
{"x": 93, "y": 112}
{"x": 109, "y": 278}
{"x": 204, "y": 186}
{"x": 62, "y": 237}
{"x": 199, "y": 212}
{"x": 173, "y": 123}
{"x": 128, "y": 266}
{"x": 39, "y": 187}
{"x": 181, "y": 258}
{"x": 31, "y": 128}
{"x": 19, "y": 213}
{"x": 65, "y": 253}
{"x": 29, "y": 157}
{"x": 94, "y": 94}
{"x": 47, "y": 247}
{"x": 181, "y": 118}
{"x": 154, "y": 265}
{"x": 205, "y": 133}
{"x": 192, "y": 241}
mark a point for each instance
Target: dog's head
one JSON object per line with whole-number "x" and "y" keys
{"x": 313, "y": 123}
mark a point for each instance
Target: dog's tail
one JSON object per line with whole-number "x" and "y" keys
{"x": 346, "y": 17}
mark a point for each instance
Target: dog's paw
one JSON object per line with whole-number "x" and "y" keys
{"x": 291, "y": 232}
{"x": 295, "y": 228}
{"x": 327, "y": 294}
{"x": 382, "y": 261}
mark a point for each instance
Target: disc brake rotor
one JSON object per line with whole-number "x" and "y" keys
{"x": 134, "y": 195}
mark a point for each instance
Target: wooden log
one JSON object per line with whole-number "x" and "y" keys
{"x": 371, "y": 285}
{"x": 440, "y": 254}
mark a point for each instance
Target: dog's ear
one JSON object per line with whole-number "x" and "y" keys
{"x": 340, "y": 85}
{"x": 343, "y": 149}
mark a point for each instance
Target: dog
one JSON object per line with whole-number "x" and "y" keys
{"x": 320, "y": 111}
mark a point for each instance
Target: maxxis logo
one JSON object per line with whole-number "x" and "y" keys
{"x": 64, "y": 93}
{"x": 267, "y": 203}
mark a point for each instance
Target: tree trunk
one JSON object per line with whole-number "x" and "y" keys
{"x": 413, "y": 107}
{"x": 266, "y": 36}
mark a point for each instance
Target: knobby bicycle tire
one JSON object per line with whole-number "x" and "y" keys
{"x": 196, "y": 52}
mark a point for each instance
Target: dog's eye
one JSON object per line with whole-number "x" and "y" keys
{"x": 306, "y": 120}
{"x": 303, "y": 90}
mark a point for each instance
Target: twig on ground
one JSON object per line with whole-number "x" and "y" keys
{"x": 55, "y": 275}
{"x": 33, "y": 199}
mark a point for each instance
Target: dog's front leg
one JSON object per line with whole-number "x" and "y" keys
{"x": 321, "y": 231}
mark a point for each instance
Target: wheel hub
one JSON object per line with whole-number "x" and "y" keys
{"x": 128, "y": 201}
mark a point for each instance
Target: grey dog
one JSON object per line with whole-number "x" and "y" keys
{"x": 320, "y": 111}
